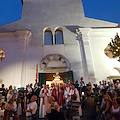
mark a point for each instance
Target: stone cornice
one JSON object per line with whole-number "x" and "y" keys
{"x": 15, "y": 34}
{"x": 18, "y": 35}
{"x": 98, "y": 33}
{"x": 83, "y": 34}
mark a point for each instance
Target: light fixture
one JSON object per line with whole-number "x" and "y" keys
{"x": 2, "y": 54}
{"x": 113, "y": 48}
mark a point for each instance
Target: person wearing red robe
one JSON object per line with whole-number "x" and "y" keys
{"x": 54, "y": 93}
{"x": 61, "y": 96}
{"x": 44, "y": 101}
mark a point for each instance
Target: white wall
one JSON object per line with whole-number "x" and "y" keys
{"x": 98, "y": 40}
{"x": 20, "y": 65}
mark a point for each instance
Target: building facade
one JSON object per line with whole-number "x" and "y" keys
{"x": 57, "y": 36}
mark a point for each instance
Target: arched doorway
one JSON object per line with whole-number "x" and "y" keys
{"x": 52, "y": 64}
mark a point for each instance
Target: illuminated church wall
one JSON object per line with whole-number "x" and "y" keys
{"x": 11, "y": 67}
{"x": 95, "y": 41}
{"x": 19, "y": 65}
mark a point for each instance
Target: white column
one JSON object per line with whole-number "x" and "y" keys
{"x": 83, "y": 57}
{"x": 82, "y": 35}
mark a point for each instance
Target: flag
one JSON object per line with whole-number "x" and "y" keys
{"x": 36, "y": 73}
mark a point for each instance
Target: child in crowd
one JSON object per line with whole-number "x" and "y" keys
{"x": 2, "y": 109}
{"x": 19, "y": 107}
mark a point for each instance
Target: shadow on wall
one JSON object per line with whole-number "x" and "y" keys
{"x": 73, "y": 28}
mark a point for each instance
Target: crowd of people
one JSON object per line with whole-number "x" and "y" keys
{"x": 16, "y": 102}
{"x": 100, "y": 102}
{"x": 62, "y": 101}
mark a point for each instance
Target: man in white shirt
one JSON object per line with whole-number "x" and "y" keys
{"x": 31, "y": 108}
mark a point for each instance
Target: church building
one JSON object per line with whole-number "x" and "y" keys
{"x": 55, "y": 36}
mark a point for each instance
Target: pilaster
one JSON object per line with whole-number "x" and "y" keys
{"x": 82, "y": 35}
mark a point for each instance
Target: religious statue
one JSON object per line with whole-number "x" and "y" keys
{"x": 57, "y": 78}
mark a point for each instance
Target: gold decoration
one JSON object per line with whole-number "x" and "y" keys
{"x": 113, "y": 48}
{"x": 2, "y": 54}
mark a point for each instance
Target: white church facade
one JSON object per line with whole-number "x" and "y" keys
{"x": 55, "y": 35}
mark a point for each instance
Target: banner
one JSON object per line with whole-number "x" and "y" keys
{"x": 36, "y": 73}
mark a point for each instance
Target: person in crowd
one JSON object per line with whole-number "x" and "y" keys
{"x": 95, "y": 89}
{"x": 75, "y": 91}
{"x": 100, "y": 86}
{"x": 31, "y": 86}
{"x": 10, "y": 87}
{"x": 116, "y": 87}
{"x": 19, "y": 107}
{"x": 1, "y": 100}
{"x": 89, "y": 107}
{"x": 23, "y": 99}
{"x": 6, "y": 92}
{"x": 67, "y": 94}
{"x": 112, "y": 88}
{"x": 9, "y": 110}
{"x": 9, "y": 95}
{"x": 44, "y": 101}
{"x": 15, "y": 91}
{"x": 75, "y": 105}
{"x": 102, "y": 100}
{"x": 107, "y": 106}
{"x": 118, "y": 84}
{"x": 54, "y": 92}
{"x": 14, "y": 104}
{"x": 57, "y": 92}
{"x": 48, "y": 89}
{"x": 103, "y": 82}
{"x": 61, "y": 96}
{"x": 81, "y": 87}
{"x": 36, "y": 89}
{"x": 89, "y": 87}
{"x": 76, "y": 85}
{"x": 29, "y": 93}
{"x": 82, "y": 90}
{"x": 51, "y": 104}
{"x": 29, "y": 89}
{"x": 31, "y": 109}
{"x": 53, "y": 112}
{"x": 51, "y": 88}
{"x": 69, "y": 83}
{"x": 2, "y": 91}
{"x": 115, "y": 109}
{"x": 115, "y": 95}
{"x": 2, "y": 109}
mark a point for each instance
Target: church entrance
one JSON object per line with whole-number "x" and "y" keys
{"x": 50, "y": 65}
{"x": 47, "y": 78}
